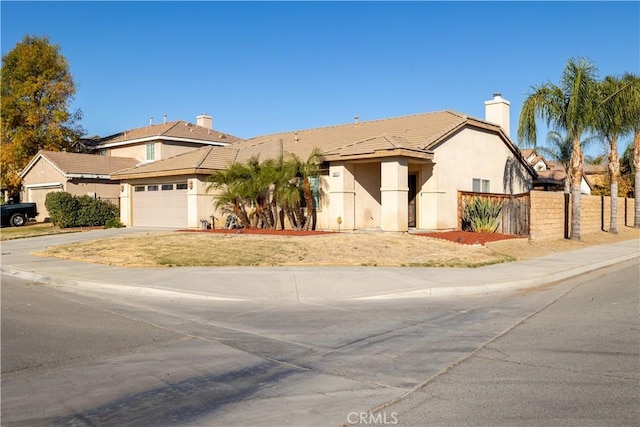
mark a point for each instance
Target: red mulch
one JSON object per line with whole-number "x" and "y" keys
{"x": 468, "y": 237}
{"x": 261, "y": 231}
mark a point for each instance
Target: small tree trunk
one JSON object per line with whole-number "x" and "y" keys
{"x": 576, "y": 180}
{"x": 614, "y": 172}
{"x": 636, "y": 166}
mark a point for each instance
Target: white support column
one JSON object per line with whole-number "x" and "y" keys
{"x": 394, "y": 192}
{"x": 342, "y": 194}
{"x": 192, "y": 203}
{"x": 126, "y": 204}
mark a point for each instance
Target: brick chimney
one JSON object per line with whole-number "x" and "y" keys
{"x": 205, "y": 121}
{"x": 496, "y": 111}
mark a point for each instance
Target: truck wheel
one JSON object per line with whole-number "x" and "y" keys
{"x": 17, "y": 220}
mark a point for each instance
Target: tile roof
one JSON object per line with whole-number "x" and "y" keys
{"x": 413, "y": 135}
{"x": 177, "y": 129}
{"x": 418, "y": 131}
{"x": 82, "y": 164}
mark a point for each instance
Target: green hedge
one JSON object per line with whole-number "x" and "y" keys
{"x": 67, "y": 210}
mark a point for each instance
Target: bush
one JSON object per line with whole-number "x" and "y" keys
{"x": 481, "y": 215}
{"x": 67, "y": 210}
{"x": 113, "y": 223}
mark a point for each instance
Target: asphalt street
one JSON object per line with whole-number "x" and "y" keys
{"x": 575, "y": 363}
{"x": 82, "y": 356}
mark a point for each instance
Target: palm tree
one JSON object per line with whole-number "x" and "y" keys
{"x": 632, "y": 118}
{"x": 559, "y": 149}
{"x": 230, "y": 194}
{"x": 610, "y": 123}
{"x": 568, "y": 107}
{"x": 306, "y": 171}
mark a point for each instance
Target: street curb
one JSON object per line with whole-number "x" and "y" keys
{"x": 502, "y": 286}
{"x": 438, "y": 291}
{"x": 131, "y": 290}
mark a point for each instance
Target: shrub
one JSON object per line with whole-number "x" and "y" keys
{"x": 113, "y": 223}
{"x": 481, "y": 215}
{"x": 67, "y": 210}
{"x": 63, "y": 208}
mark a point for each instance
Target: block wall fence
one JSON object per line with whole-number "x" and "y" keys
{"x": 547, "y": 214}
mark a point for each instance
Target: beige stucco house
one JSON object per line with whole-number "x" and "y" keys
{"x": 551, "y": 176}
{"x": 391, "y": 174}
{"x": 88, "y": 171}
{"x": 78, "y": 174}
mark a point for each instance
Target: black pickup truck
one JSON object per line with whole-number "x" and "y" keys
{"x": 18, "y": 214}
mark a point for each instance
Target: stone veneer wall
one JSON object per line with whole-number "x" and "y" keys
{"x": 547, "y": 214}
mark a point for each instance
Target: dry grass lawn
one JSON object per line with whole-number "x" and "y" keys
{"x": 344, "y": 249}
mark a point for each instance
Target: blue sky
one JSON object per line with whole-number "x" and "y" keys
{"x": 265, "y": 67}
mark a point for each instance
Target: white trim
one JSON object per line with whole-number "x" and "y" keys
{"x": 44, "y": 185}
{"x": 161, "y": 138}
{"x": 34, "y": 161}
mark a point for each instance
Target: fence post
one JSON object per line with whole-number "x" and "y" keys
{"x": 566, "y": 215}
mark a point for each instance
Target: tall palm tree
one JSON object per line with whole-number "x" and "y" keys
{"x": 308, "y": 170}
{"x": 567, "y": 107}
{"x": 632, "y": 115}
{"x": 610, "y": 124}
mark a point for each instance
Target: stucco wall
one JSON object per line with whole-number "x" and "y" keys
{"x": 163, "y": 150}
{"x": 547, "y": 214}
{"x": 467, "y": 155}
{"x": 367, "y": 185}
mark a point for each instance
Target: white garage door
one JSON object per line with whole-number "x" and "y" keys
{"x": 160, "y": 205}
{"x": 38, "y": 196}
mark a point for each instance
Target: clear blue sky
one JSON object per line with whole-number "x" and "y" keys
{"x": 264, "y": 67}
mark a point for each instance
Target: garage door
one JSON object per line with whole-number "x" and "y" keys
{"x": 38, "y": 196}
{"x": 160, "y": 205}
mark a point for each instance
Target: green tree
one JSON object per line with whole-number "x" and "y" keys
{"x": 36, "y": 91}
{"x": 568, "y": 107}
{"x": 632, "y": 118}
{"x": 610, "y": 124}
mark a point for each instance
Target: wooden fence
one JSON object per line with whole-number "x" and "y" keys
{"x": 515, "y": 216}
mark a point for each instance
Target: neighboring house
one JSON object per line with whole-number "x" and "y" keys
{"x": 87, "y": 170}
{"x": 78, "y": 174}
{"x": 550, "y": 175}
{"x": 391, "y": 174}
{"x": 161, "y": 141}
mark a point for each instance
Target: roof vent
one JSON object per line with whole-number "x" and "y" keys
{"x": 497, "y": 95}
{"x": 150, "y": 120}
{"x": 355, "y": 120}
{"x": 165, "y": 119}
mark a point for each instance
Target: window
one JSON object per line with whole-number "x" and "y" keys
{"x": 152, "y": 188}
{"x": 167, "y": 187}
{"x": 481, "y": 185}
{"x": 181, "y": 186}
{"x": 151, "y": 151}
{"x": 139, "y": 188}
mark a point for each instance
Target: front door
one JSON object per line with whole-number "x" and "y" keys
{"x": 413, "y": 191}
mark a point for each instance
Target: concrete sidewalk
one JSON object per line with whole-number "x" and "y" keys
{"x": 298, "y": 284}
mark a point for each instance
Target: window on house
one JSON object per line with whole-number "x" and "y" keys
{"x": 152, "y": 188}
{"x": 139, "y": 188}
{"x": 167, "y": 187}
{"x": 181, "y": 186}
{"x": 481, "y": 185}
{"x": 151, "y": 151}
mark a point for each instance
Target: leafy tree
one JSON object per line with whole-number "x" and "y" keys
{"x": 36, "y": 90}
{"x": 568, "y": 107}
{"x": 632, "y": 118}
{"x": 610, "y": 124}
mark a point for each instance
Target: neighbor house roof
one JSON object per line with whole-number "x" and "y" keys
{"x": 76, "y": 165}
{"x": 203, "y": 160}
{"x": 178, "y": 130}
{"x": 412, "y": 136}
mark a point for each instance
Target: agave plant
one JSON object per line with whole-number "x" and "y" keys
{"x": 481, "y": 215}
